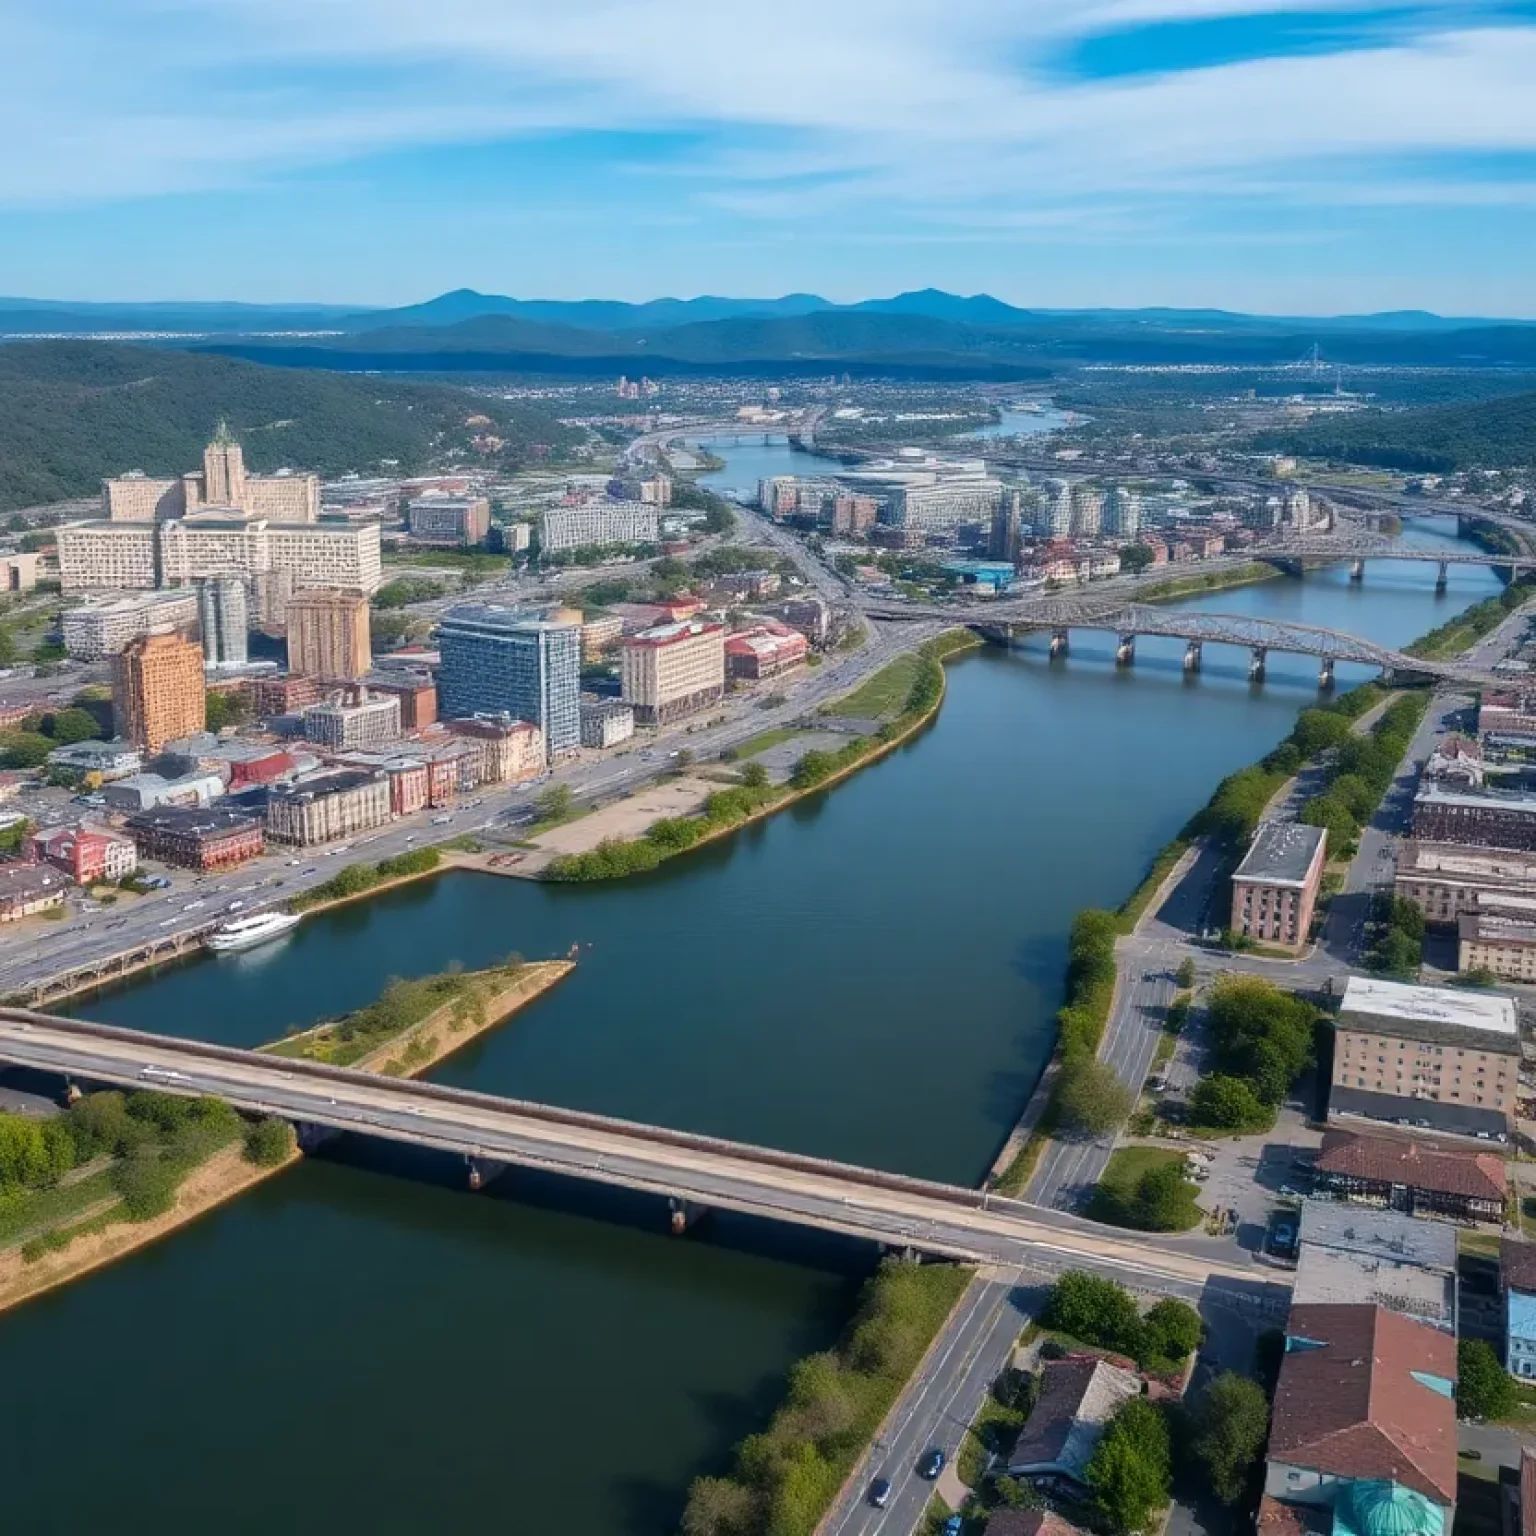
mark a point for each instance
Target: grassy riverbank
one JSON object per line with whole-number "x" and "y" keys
{"x": 1218, "y": 581}
{"x": 1467, "y": 628}
{"x": 167, "y": 1160}
{"x": 358, "y": 880}
{"x": 785, "y": 1479}
{"x": 912, "y": 684}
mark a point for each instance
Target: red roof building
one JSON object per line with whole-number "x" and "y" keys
{"x": 1419, "y": 1177}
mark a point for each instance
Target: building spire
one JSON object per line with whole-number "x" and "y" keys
{"x": 222, "y": 436}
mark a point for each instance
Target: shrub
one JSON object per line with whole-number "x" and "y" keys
{"x": 268, "y": 1142}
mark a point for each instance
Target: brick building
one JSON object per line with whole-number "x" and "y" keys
{"x": 324, "y": 806}
{"x": 512, "y": 751}
{"x": 1489, "y": 818}
{"x": 1274, "y": 891}
{"x": 158, "y": 690}
{"x": 1443, "y": 880}
{"x": 415, "y": 690}
{"x": 1422, "y": 1178}
{"x": 88, "y": 855}
{"x": 765, "y": 651}
{"x": 201, "y": 838}
{"x": 328, "y": 635}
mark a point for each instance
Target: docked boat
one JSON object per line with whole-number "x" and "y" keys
{"x": 247, "y": 932}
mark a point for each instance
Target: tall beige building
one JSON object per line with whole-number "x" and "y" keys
{"x": 158, "y": 690}
{"x": 287, "y": 498}
{"x": 673, "y": 670}
{"x": 328, "y": 635}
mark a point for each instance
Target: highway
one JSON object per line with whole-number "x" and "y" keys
{"x": 942, "y": 1220}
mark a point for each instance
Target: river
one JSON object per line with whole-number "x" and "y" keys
{"x": 361, "y": 1344}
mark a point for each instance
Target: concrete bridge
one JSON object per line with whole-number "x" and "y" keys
{"x": 1129, "y": 620}
{"x": 693, "y": 1172}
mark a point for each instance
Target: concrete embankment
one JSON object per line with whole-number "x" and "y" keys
{"x": 227, "y": 1173}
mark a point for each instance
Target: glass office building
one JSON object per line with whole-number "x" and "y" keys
{"x": 499, "y": 661}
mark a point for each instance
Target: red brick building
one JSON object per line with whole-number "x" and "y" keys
{"x": 87, "y": 854}
{"x": 196, "y": 838}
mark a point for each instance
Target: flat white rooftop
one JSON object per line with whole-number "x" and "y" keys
{"x": 1444, "y": 1006}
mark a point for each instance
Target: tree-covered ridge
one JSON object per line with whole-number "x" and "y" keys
{"x": 74, "y": 412}
{"x": 1493, "y": 434}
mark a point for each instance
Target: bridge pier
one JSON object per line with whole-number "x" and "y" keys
{"x": 1193, "y": 656}
{"x": 685, "y": 1213}
{"x": 1357, "y": 569}
{"x": 482, "y": 1170}
{"x": 1061, "y": 642}
{"x": 1257, "y": 663}
{"x": 1125, "y": 652}
{"x": 312, "y": 1137}
{"x": 1442, "y": 577}
{"x": 1325, "y": 673}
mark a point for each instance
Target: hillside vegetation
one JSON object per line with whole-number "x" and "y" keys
{"x": 1491, "y": 434}
{"x": 73, "y": 412}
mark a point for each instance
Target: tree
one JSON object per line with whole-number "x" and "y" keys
{"x": 1229, "y": 1104}
{"x": 1095, "y": 1310}
{"x": 223, "y": 709}
{"x": 1131, "y": 1471}
{"x": 554, "y": 801}
{"x": 684, "y": 758}
{"x": 23, "y": 749}
{"x": 1164, "y": 1201}
{"x": 1318, "y": 729}
{"x": 1173, "y": 1329}
{"x": 755, "y": 776}
{"x": 1185, "y": 975}
{"x": 718, "y": 1506}
{"x": 1484, "y": 1389}
{"x": 71, "y": 725}
{"x": 1395, "y": 954}
{"x": 1135, "y": 558}
{"x": 24, "y": 1157}
{"x": 1333, "y": 816}
{"x": 1229, "y": 1423}
{"x": 1090, "y": 1096}
{"x": 268, "y": 1142}
{"x": 7, "y": 647}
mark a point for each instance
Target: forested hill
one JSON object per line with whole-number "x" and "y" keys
{"x": 74, "y": 412}
{"x": 1490, "y": 434}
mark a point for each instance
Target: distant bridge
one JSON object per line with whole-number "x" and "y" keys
{"x": 693, "y": 1172}
{"x": 1128, "y": 621}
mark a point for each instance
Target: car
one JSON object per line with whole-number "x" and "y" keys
{"x": 880, "y": 1492}
{"x": 931, "y": 1464}
{"x": 1470, "y": 1455}
{"x": 954, "y": 1525}
{"x": 1284, "y": 1235}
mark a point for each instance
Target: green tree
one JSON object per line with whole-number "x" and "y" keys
{"x": 71, "y": 725}
{"x": 1135, "y": 558}
{"x": 554, "y": 801}
{"x": 1090, "y": 1096}
{"x": 1229, "y": 1104}
{"x": 25, "y": 1162}
{"x": 1186, "y": 973}
{"x": 1316, "y": 730}
{"x": 23, "y": 749}
{"x": 1094, "y": 1310}
{"x": 1163, "y": 1200}
{"x": 8, "y": 651}
{"x": 1395, "y": 954}
{"x": 1130, "y": 1473}
{"x": 684, "y": 758}
{"x": 268, "y": 1142}
{"x": 755, "y": 776}
{"x": 719, "y": 1506}
{"x": 1484, "y": 1389}
{"x": 1173, "y": 1329}
{"x": 1333, "y": 816}
{"x": 223, "y": 709}
{"x": 1229, "y": 1423}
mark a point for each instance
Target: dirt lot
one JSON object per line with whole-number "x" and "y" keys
{"x": 624, "y": 818}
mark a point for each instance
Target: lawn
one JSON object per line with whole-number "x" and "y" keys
{"x": 1118, "y": 1186}
{"x": 766, "y": 739}
{"x": 31, "y": 1209}
{"x": 884, "y": 696}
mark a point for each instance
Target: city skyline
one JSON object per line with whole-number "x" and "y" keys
{"x": 1312, "y": 157}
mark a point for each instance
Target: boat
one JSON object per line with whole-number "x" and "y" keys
{"x": 247, "y": 932}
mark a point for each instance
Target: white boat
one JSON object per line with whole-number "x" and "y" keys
{"x": 247, "y": 932}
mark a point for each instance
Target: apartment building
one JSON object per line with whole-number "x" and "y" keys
{"x": 606, "y": 723}
{"x": 458, "y": 521}
{"x": 1444, "y": 880}
{"x": 223, "y": 620}
{"x": 136, "y": 555}
{"x": 946, "y": 504}
{"x": 1434, "y": 1058}
{"x": 600, "y": 635}
{"x": 598, "y": 523}
{"x": 415, "y": 690}
{"x": 201, "y": 838}
{"x": 322, "y": 807}
{"x": 854, "y": 515}
{"x": 223, "y": 482}
{"x": 328, "y": 634}
{"x": 1274, "y": 892}
{"x": 101, "y": 628}
{"x": 1488, "y": 818}
{"x": 512, "y": 750}
{"x": 673, "y": 670}
{"x": 158, "y": 691}
{"x": 1501, "y": 941}
{"x": 353, "y": 723}
{"x": 496, "y": 661}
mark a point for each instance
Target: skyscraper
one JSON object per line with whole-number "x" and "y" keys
{"x": 222, "y": 614}
{"x": 499, "y": 661}
{"x": 328, "y": 635}
{"x": 1124, "y": 512}
{"x": 1055, "y": 519}
{"x": 1087, "y": 511}
{"x": 158, "y": 691}
{"x": 1004, "y": 543}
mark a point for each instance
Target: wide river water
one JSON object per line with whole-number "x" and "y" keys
{"x": 363, "y": 1345}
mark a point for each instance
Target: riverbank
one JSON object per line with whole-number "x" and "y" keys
{"x": 477, "y": 1001}
{"x": 1197, "y": 586}
{"x": 732, "y": 809}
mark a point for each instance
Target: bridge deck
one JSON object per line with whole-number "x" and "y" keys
{"x": 885, "y": 1208}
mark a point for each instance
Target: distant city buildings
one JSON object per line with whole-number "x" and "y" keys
{"x": 461, "y": 522}
{"x": 222, "y": 618}
{"x": 497, "y": 661}
{"x": 328, "y": 635}
{"x": 946, "y": 504}
{"x": 96, "y": 630}
{"x": 673, "y": 670}
{"x": 513, "y": 751}
{"x": 158, "y": 690}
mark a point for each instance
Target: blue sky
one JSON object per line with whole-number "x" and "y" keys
{"x": 1316, "y": 156}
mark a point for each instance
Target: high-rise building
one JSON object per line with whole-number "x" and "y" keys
{"x": 1087, "y": 511}
{"x": 353, "y": 724}
{"x": 158, "y": 691}
{"x": 1004, "y": 542}
{"x": 99, "y": 629}
{"x": 223, "y": 482}
{"x": 328, "y": 635}
{"x": 462, "y": 521}
{"x": 497, "y": 661}
{"x": 222, "y": 614}
{"x": 594, "y": 524}
{"x": 853, "y": 515}
{"x": 1054, "y": 517}
{"x": 673, "y": 670}
{"x": 1124, "y": 512}
{"x": 961, "y": 498}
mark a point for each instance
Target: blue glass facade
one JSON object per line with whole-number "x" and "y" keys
{"x": 497, "y": 661}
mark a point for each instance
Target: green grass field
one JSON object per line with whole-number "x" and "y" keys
{"x": 884, "y": 696}
{"x": 766, "y": 739}
{"x": 1126, "y": 1166}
